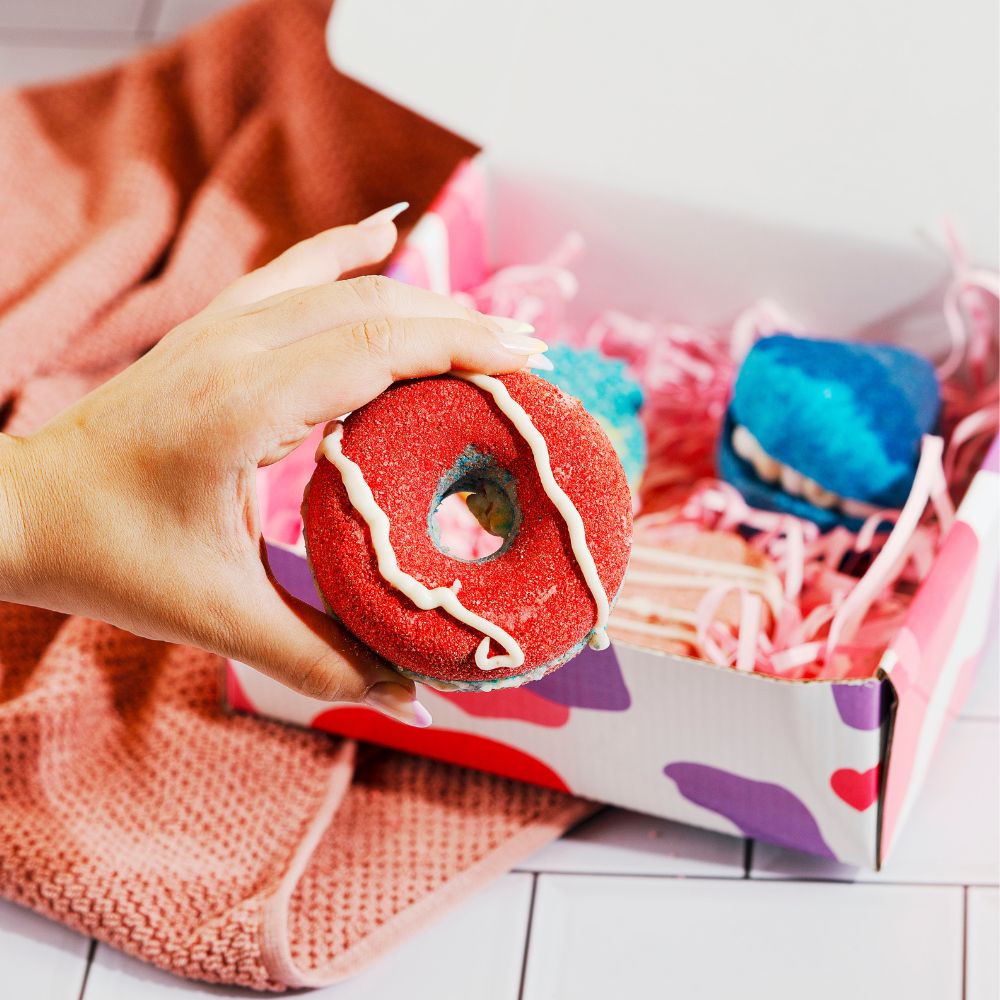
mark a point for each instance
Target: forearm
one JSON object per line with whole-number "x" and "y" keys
{"x": 15, "y": 501}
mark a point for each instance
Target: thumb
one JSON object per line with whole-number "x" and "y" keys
{"x": 306, "y": 650}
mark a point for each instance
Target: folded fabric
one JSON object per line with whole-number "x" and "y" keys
{"x": 132, "y": 807}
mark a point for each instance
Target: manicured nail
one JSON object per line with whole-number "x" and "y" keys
{"x": 540, "y": 362}
{"x": 507, "y": 325}
{"x": 519, "y": 344}
{"x": 399, "y": 703}
{"x": 386, "y": 214}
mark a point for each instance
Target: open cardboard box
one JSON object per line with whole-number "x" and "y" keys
{"x": 831, "y": 768}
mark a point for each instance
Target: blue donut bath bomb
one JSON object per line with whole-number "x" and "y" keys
{"x": 826, "y": 429}
{"x": 609, "y": 395}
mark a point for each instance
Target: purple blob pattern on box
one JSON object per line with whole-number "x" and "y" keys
{"x": 592, "y": 679}
{"x": 992, "y": 461}
{"x": 862, "y": 706}
{"x": 292, "y": 571}
{"x": 757, "y": 808}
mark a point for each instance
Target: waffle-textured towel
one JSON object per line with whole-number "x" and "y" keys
{"x": 131, "y": 806}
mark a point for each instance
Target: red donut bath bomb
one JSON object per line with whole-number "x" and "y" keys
{"x": 421, "y": 441}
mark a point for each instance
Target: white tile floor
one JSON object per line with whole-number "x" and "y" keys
{"x": 625, "y": 906}
{"x": 637, "y": 937}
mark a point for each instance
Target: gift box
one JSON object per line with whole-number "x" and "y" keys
{"x": 827, "y": 767}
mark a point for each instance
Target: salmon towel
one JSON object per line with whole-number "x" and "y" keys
{"x": 132, "y": 807}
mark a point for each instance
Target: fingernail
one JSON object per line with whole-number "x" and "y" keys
{"x": 522, "y": 345}
{"x": 540, "y": 362}
{"x": 399, "y": 703}
{"x": 386, "y": 214}
{"x": 507, "y": 325}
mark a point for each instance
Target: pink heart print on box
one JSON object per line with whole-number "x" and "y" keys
{"x": 858, "y": 790}
{"x": 864, "y": 707}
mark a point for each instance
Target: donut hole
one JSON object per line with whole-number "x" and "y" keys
{"x": 474, "y": 516}
{"x": 459, "y": 534}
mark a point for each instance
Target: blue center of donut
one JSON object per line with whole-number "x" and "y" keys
{"x": 492, "y": 499}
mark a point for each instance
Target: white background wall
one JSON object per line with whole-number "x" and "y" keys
{"x": 871, "y": 118}
{"x": 874, "y": 118}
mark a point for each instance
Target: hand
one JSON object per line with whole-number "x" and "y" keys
{"x": 137, "y": 504}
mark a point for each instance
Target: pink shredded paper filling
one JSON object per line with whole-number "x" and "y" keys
{"x": 843, "y": 595}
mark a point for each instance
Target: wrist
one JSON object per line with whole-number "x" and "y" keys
{"x": 16, "y": 502}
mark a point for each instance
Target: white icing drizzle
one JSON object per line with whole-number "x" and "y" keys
{"x": 518, "y": 416}
{"x": 425, "y": 598}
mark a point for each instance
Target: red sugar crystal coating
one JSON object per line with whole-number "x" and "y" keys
{"x": 405, "y": 442}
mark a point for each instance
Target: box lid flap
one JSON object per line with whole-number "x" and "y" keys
{"x": 868, "y": 119}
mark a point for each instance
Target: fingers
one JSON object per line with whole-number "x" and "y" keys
{"x": 309, "y": 652}
{"x": 303, "y": 312}
{"x": 317, "y": 260}
{"x": 339, "y": 370}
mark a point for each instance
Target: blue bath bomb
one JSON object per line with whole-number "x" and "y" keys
{"x": 610, "y": 395}
{"x": 848, "y": 416}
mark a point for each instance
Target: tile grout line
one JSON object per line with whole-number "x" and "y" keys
{"x": 149, "y": 18}
{"x": 965, "y": 941}
{"x": 775, "y": 880}
{"x": 583, "y": 873}
{"x": 527, "y": 936}
{"x": 91, "y": 951}
{"x": 911, "y": 884}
